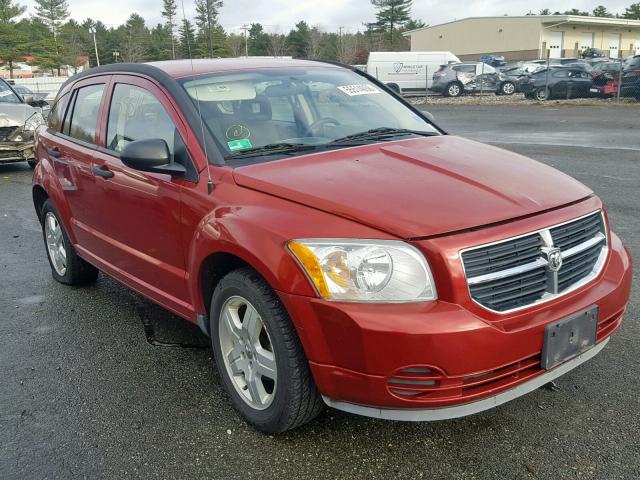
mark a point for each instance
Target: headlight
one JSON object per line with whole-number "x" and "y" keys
{"x": 384, "y": 271}
{"x": 33, "y": 122}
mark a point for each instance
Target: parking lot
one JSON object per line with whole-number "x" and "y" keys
{"x": 98, "y": 382}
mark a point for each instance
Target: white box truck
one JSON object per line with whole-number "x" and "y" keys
{"x": 408, "y": 72}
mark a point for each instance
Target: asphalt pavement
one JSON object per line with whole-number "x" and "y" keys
{"x": 86, "y": 391}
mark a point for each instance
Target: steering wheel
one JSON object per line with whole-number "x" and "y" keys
{"x": 320, "y": 123}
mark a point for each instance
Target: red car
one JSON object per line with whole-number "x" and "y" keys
{"x": 336, "y": 245}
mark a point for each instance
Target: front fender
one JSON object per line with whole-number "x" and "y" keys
{"x": 239, "y": 232}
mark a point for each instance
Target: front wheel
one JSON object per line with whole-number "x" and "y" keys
{"x": 454, "y": 89}
{"x": 32, "y": 163}
{"x": 258, "y": 355}
{"x": 508, "y": 88}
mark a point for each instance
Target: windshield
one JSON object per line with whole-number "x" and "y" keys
{"x": 299, "y": 109}
{"x": 7, "y": 95}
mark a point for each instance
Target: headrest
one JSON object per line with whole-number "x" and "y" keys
{"x": 257, "y": 110}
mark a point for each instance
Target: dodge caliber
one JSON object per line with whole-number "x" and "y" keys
{"x": 335, "y": 244}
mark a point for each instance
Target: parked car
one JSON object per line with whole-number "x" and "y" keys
{"x": 18, "y": 122}
{"x": 493, "y": 60}
{"x": 407, "y": 72}
{"x": 520, "y": 75}
{"x": 589, "y": 53}
{"x": 32, "y": 98}
{"x": 556, "y": 61}
{"x": 338, "y": 248}
{"x": 605, "y": 84}
{"x": 605, "y": 67}
{"x": 557, "y": 83}
{"x": 471, "y": 77}
{"x": 630, "y": 85}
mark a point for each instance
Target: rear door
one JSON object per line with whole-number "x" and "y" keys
{"x": 486, "y": 78}
{"x": 139, "y": 219}
{"x": 71, "y": 151}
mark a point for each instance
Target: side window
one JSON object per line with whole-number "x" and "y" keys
{"x": 560, "y": 74}
{"x": 136, "y": 114}
{"x": 85, "y": 113}
{"x": 465, "y": 68}
{"x": 57, "y": 112}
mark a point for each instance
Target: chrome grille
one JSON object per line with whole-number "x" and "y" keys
{"x": 519, "y": 272}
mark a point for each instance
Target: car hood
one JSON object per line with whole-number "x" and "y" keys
{"x": 417, "y": 187}
{"x": 15, "y": 114}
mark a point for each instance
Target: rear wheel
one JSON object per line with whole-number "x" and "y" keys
{"x": 32, "y": 163}
{"x": 542, "y": 94}
{"x": 258, "y": 355}
{"x": 66, "y": 266}
{"x": 454, "y": 89}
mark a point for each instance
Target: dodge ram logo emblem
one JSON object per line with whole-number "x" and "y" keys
{"x": 554, "y": 258}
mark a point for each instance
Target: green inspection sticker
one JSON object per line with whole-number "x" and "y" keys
{"x": 239, "y": 144}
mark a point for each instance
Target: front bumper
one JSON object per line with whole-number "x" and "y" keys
{"x": 457, "y": 358}
{"x": 11, "y": 152}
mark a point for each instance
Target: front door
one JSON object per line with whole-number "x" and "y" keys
{"x": 555, "y": 44}
{"x": 140, "y": 216}
{"x": 614, "y": 45}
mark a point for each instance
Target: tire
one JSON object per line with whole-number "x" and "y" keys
{"x": 270, "y": 403}
{"x": 395, "y": 87}
{"x": 542, "y": 94}
{"x": 73, "y": 270}
{"x": 32, "y": 163}
{"x": 454, "y": 89}
{"x": 508, "y": 88}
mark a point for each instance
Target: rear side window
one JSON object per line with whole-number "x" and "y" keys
{"x": 57, "y": 112}
{"x": 85, "y": 113}
{"x": 136, "y": 114}
{"x": 465, "y": 68}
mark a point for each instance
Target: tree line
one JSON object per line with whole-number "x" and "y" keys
{"x": 53, "y": 40}
{"x": 632, "y": 12}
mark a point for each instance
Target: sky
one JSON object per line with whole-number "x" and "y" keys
{"x": 282, "y": 15}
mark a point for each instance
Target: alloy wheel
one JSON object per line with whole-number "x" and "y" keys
{"x": 508, "y": 88}
{"x": 55, "y": 244}
{"x": 247, "y": 352}
{"x": 454, "y": 90}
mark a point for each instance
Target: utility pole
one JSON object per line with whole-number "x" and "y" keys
{"x": 92, "y": 30}
{"x": 245, "y": 28}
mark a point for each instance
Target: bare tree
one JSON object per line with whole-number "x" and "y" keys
{"x": 347, "y": 48}
{"x": 277, "y": 44}
{"x": 235, "y": 43}
{"x": 315, "y": 42}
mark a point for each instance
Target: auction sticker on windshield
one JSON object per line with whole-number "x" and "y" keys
{"x": 353, "y": 90}
{"x": 239, "y": 144}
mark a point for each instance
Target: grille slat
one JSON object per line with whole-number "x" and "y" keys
{"x": 501, "y": 279}
{"x": 502, "y": 256}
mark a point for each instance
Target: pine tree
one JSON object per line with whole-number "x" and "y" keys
{"x": 392, "y": 14}
{"x": 10, "y": 10}
{"x": 169, "y": 13}
{"x": 601, "y": 11}
{"x": 187, "y": 38}
{"x": 207, "y": 21}
{"x": 632, "y": 11}
{"x": 53, "y": 13}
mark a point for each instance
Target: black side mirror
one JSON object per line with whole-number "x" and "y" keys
{"x": 151, "y": 156}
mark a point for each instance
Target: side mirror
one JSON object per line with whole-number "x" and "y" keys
{"x": 151, "y": 156}
{"x": 429, "y": 115}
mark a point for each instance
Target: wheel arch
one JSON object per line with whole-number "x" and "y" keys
{"x": 40, "y": 196}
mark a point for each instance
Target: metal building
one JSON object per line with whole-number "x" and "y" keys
{"x": 529, "y": 37}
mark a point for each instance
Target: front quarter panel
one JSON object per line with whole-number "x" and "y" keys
{"x": 256, "y": 228}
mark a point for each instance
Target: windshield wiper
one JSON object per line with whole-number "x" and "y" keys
{"x": 379, "y": 134}
{"x": 271, "y": 149}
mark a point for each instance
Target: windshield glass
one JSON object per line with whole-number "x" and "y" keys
{"x": 7, "y": 95}
{"x": 298, "y": 107}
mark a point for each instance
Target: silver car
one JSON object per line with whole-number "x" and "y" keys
{"x": 471, "y": 77}
{"x": 18, "y": 123}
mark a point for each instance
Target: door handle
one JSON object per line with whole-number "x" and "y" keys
{"x": 102, "y": 172}
{"x": 53, "y": 152}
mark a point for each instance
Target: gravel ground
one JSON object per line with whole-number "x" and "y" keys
{"x": 84, "y": 395}
{"x": 518, "y": 99}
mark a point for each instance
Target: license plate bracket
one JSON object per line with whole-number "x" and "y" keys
{"x": 569, "y": 337}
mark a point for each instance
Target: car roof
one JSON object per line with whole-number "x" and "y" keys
{"x": 185, "y": 68}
